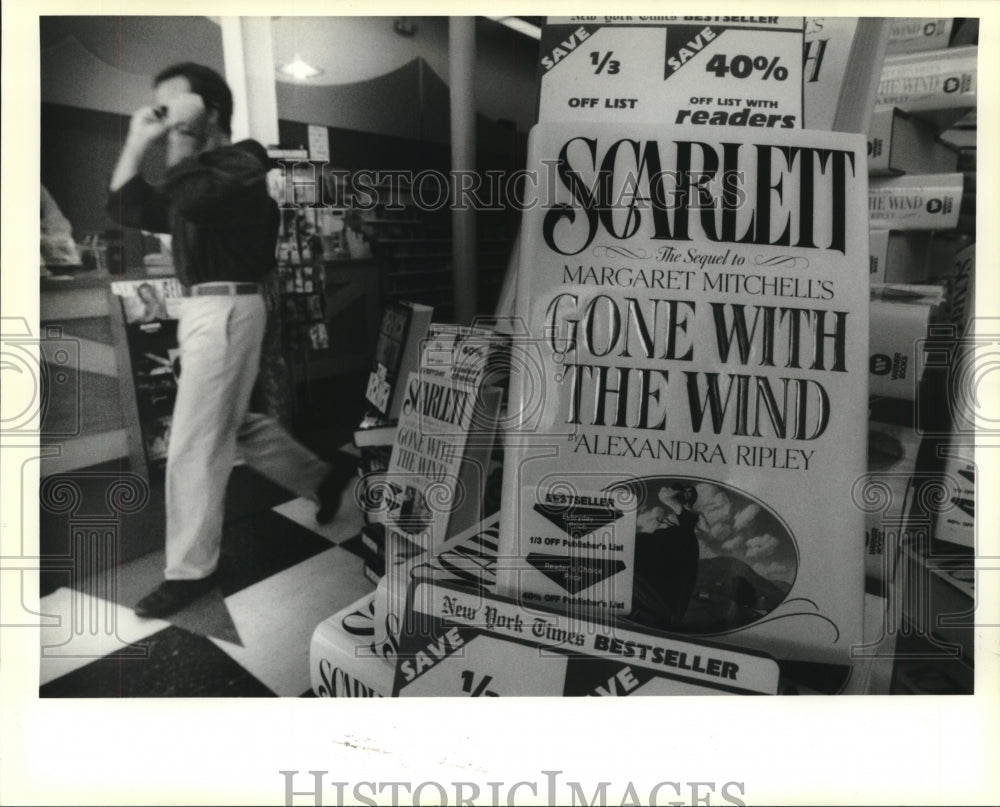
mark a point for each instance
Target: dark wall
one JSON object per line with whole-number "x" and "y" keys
{"x": 498, "y": 146}
{"x": 79, "y": 148}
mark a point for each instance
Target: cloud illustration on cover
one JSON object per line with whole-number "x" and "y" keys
{"x": 717, "y": 507}
{"x": 734, "y": 546}
{"x": 745, "y": 516}
{"x": 760, "y": 546}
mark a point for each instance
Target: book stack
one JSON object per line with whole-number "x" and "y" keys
{"x": 397, "y": 352}
{"x": 939, "y": 88}
{"x": 937, "y": 85}
{"x": 918, "y": 34}
{"x": 426, "y": 491}
{"x": 916, "y": 199}
{"x": 922, "y": 204}
{"x": 900, "y": 317}
{"x": 899, "y": 143}
{"x": 436, "y": 481}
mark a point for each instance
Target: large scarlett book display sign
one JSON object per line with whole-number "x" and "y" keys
{"x": 697, "y": 304}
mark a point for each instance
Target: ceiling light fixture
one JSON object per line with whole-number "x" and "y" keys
{"x": 519, "y": 25}
{"x": 299, "y": 70}
{"x": 404, "y": 27}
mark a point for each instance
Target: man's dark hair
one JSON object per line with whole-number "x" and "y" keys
{"x": 204, "y": 81}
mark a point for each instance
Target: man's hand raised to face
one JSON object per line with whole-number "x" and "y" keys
{"x": 146, "y": 126}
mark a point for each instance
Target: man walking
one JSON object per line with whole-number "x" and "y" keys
{"x": 214, "y": 202}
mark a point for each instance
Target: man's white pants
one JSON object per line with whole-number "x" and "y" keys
{"x": 220, "y": 341}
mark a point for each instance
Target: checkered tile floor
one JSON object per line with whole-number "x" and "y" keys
{"x": 281, "y": 574}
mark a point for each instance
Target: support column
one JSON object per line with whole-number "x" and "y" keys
{"x": 461, "y": 78}
{"x": 248, "y": 56}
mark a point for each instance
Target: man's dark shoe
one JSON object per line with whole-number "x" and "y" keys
{"x": 343, "y": 469}
{"x": 172, "y": 595}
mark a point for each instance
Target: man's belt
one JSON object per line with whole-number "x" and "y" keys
{"x": 223, "y": 288}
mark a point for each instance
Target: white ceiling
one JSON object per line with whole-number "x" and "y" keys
{"x": 351, "y": 49}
